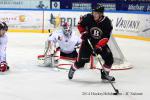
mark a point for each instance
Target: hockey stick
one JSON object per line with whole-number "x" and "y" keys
{"x": 116, "y": 90}
{"x": 45, "y": 53}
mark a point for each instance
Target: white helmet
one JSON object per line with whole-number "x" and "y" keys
{"x": 67, "y": 29}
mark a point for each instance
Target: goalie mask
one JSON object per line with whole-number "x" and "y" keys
{"x": 67, "y": 29}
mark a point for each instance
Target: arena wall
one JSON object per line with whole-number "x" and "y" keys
{"x": 126, "y": 24}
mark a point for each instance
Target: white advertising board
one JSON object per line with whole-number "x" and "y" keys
{"x": 123, "y": 23}
{"x": 24, "y": 4}
{"x": 56, "y": 18}
{"x": 22, "y": 19}
{"x": 130, "y": 24}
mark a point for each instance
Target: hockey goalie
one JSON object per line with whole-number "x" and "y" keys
{"x": 64, "y": 41}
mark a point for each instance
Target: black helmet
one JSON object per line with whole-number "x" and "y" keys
{"x": 99, "y": 8}
{"x": 3, "y": 26}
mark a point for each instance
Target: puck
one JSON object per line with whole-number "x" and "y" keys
{"x": 116, "y": 92}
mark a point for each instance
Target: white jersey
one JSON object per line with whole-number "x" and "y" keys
{"x": 3, "y": 45}
{"x": 66, "y": 44}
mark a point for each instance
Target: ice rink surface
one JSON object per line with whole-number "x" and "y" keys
{"x": 27, "y": 81}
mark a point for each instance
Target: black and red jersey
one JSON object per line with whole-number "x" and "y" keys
{"x": 97, "y": 30}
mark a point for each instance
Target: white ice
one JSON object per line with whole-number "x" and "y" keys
{"x": 27, "y": 81}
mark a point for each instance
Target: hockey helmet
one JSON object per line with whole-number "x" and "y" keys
{"x": 67, "y": 29}
{"x": 99, "y": 8}
{"x": 3, "y": 26}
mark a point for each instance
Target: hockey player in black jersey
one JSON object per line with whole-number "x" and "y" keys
{"x": 97, "y": 28}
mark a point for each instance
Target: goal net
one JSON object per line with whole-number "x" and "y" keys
{"x": 120, "y": 63}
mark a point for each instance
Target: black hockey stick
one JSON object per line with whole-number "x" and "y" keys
{"x": 116, "y": 90}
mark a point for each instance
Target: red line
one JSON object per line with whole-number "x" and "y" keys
{"x": 64, "y": 64}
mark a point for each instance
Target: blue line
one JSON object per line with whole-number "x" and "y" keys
{"x": 70, "y": 10}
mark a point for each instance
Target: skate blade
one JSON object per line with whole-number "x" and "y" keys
{"x": 106, "y": 81}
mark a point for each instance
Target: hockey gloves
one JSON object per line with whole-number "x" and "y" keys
{"x": 85, "y": 36}
{"x": 99, "y": 45}
{"x": 97, "y": 51}
{"x": 102, "y": 42}
{"x": 3, "y": 66}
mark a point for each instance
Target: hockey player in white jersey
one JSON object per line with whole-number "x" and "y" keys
{"x": 3, "y": 44}
{"x": 66, "y": 39}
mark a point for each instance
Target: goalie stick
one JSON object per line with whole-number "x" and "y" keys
{"x": 116, "y": 90}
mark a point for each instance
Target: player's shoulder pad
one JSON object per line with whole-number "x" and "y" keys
{"x": 108, "y": 22}
{"x": 89, "y": 15}
{"x": 107, "y": 19}
{"x": 86, "y": 18}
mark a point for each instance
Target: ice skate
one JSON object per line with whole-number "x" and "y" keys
{"x": 105, "y": 76}
{"x": 71, "y": 73}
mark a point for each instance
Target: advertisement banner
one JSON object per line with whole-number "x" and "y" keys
{"x": 55, "y": 4}
{"x": 55, "y": 19}
{"x": 123, "y": 23}
{"x": 130, "y": 24}
{"x": 25, "y": 4}
{"x": 109, "y": 6}
{"x": 22, "y": 19}
{"x": 81, "y": 6}
{"x": 137, "y": 7}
